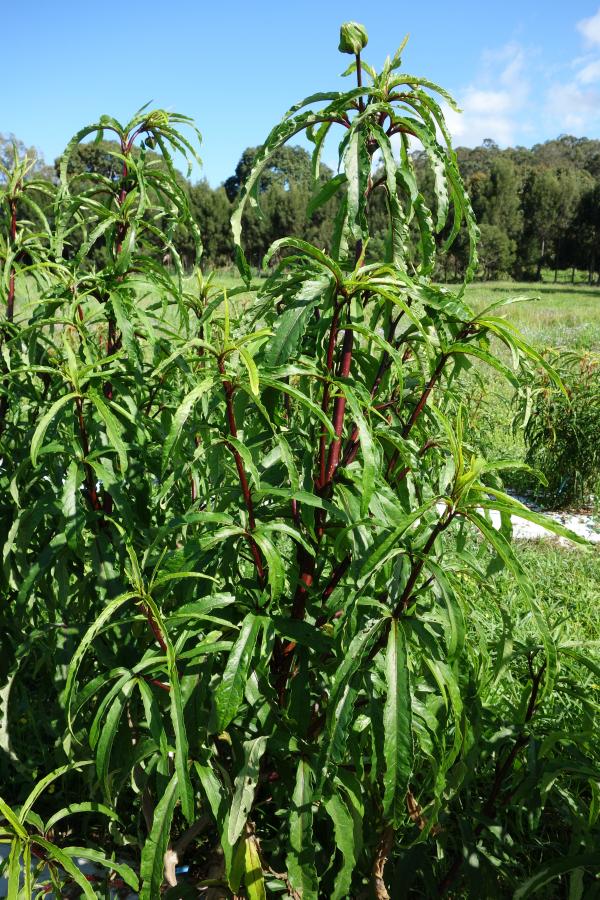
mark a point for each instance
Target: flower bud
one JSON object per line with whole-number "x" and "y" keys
{"x": 159, "y": 118}
{"x": 353, "y": 37}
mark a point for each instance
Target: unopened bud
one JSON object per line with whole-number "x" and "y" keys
{"x": 158, "y": 119}
{"x": 353, "y": 37}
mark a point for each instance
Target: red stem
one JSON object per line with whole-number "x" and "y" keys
{"x": 10, "y": 301}
{"x": 229, "y": 391}
{"x": 326, "y": 390}
{"x": 154, "y": 627}
{"x": 384, "y": 364}
{"x": 85, "y": 446}
{"x": 417, "y": 567}
{"x": 339, "y": 408}
{"x": 425, "y": 395}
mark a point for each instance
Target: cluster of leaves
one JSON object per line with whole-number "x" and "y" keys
{"x": 245, "y": 544}
{"x": 561, "y": 427}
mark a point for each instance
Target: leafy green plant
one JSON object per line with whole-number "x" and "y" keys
{"x": 245, "y": 547}
{"x": 561, "y": 428}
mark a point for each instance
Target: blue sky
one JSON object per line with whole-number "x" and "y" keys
{"x": 522, "y": 71}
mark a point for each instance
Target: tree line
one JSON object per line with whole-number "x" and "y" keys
{"x": 538, "y": 208}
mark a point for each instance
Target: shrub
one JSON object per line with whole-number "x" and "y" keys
{"x": 247, "y": 617}
{"x": 561, "y": 427}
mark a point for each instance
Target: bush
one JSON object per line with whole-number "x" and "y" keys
{"x": 249, "y": 612}
{"x": 562, "y": 427}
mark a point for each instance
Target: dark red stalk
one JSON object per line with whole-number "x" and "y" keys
{"x": 90, "y": 482}
{"x": 414, "y": 416}
{"x": 417, "y": 567}
{"x": 339, "y": 408}
{"x": 154, "y": 627}
{"x": 425, "y": 395}
{"x": 384, "y": 364}
{"x": 361, "y": 100}
{"x": 10, "y": 301}
{"x": 229, "y": 391}
{"x": 326, "y": 390}
{"x": 336, "y": 576}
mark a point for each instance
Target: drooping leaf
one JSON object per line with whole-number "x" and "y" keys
{"x": 397, "y": 723}
{"x": 300, "y": 860}
{"x": 244, "y": 788}
{"x": 230, "y": 690}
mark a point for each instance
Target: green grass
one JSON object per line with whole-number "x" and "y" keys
{"x": 557, "y": 315}
{"x": 568, "y": 584}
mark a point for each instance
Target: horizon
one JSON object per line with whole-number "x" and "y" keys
{"x": 537, "y": 78}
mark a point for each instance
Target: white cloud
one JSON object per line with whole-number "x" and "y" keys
{"x": 572, "y": 108}
{"x": 590, "y": 73}
{"x": 574, "y": 105}
{"x": 493, "y": 105}
{"x": 590, "y": 28}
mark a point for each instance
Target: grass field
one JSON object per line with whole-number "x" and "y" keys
{"x": 557, "y": 315}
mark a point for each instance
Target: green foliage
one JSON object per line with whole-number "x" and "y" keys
{"x": 248, "y": 585}
{"x": 561, "y": 428}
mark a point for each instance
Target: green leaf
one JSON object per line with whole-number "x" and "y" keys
{"x": 14, "y": 869}
{"x": 345, "y": 841}
{"x": 397, "y": 723}
{"x": 244, "y": 788}
{"x": 180, "y": 418}
{"x": 42, "y": 426}
{"x": 275, "y": 566}
{"x": 291, "y": 325}
{"x": 109, "y": 733}
{"x": 514, "y": 507}
{"x": 385, "y": 548}
{"x": 499, "y": 543}
{"x": 44, "y": 782}
{"x": 72, "y": 809}
{"x": 357, "y": 163}
{"x": 369, "y": 457}
{"x": 555, "y": 867}
{"x": 113, "y": 428}
{"x": 253, "y": 873}
{"x": 326, "y": 192}
{"x": 253, "y": 376}
{"x": 310, "y": 250}
{"x": 12, "y": 819}
{"x": 300, "y": 860}
{"x": 68, "y": 865}
{"x": 122, "y": 869}
{"x": 230, "y": 690}
{"x": 153, "y": 851}
{"x": 218, "y": 802}
{"x": 177, "y": 717}
{"x": 86, "y": 641}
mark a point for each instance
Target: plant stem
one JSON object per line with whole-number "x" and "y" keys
{"x": 10, "y": 300}
{"x": 339, "y": 408}
{"x": 502, "y": 773}
{"x": 417, "y": 566}
{"x": 85, "y": 446}
{"x": 353, "y": 444}
{"x": 359, "y": 82}
{"x": 420, "y": 405}
{"x": 229, "y": 391}
{"x": 326, "y": 391}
